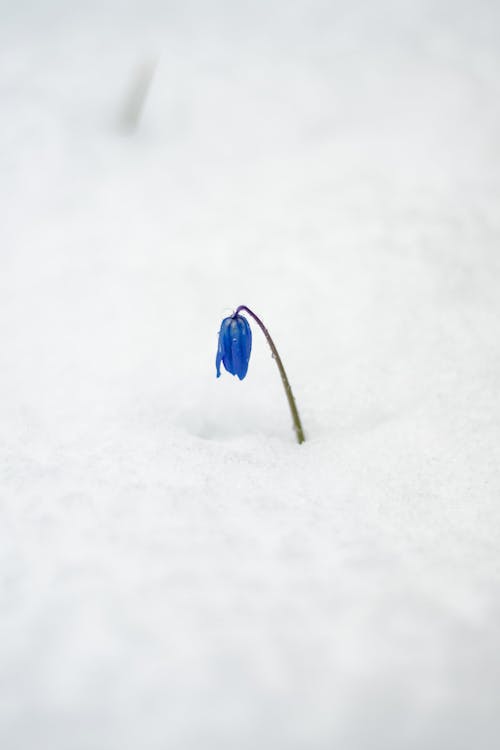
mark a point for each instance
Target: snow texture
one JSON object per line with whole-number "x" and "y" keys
{"x": 176, "y": 573}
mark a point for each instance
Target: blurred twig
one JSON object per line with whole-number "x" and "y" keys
{"x": 137, "y": 94}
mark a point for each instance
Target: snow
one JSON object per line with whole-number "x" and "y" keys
{"x": 175, "y": 571}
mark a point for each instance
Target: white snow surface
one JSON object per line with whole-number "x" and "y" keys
{"x": 175, "y": 571}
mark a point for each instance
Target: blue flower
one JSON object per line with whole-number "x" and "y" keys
{"x": 235, "y": 345}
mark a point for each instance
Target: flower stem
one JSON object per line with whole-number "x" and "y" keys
{"x": 286, "y": 385}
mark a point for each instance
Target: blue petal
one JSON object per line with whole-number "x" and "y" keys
{"x": 227, "y": 359}
{"x": 235, "y": 345}
{"x": 241, "y": 346}
{"x": 222, "y": 347}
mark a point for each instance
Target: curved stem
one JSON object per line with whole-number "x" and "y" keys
{"x": 288, "y": 390}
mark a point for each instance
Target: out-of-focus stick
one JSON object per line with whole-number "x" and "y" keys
{"x": 136, "y": 96}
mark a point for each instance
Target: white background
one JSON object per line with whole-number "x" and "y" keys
{"x": 175, "y": 572}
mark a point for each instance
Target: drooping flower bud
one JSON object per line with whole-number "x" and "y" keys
{"x": 235, "y": 345}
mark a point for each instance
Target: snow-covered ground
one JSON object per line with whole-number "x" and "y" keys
{"x": 175, "y": 572}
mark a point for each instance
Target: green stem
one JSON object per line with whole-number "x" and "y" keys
{"x": 299, "y": 432}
